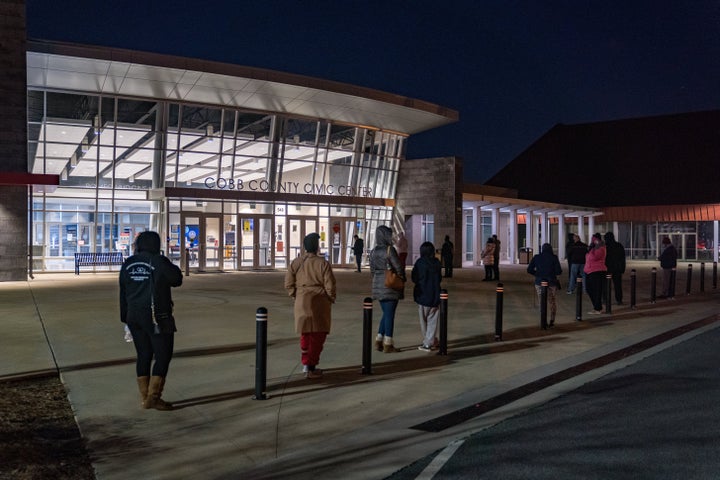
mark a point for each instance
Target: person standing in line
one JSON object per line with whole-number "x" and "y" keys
{"x": 546, "y": 266}
{"x": 496, "y": 259}
{"x": 311, "y": 283}
{"x": 382, "y": 257}
{"x": 402, "y": 249}
{"x": 358, "y": 248}
{"x": 615, "y": 263}
{"x": 576, "y": 259}
{"x": 668, "y": 261}
{"x": 488, "y": 259}
{"x": 427, "y": 275}
{"x": 568, "y": 247}
{"x": 146, "y": 306}
{"x": 595, "y": 271}
{"x": 446, "y": 253}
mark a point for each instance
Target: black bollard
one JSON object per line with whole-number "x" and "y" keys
{"x": 367, "y": 336}
{"x": 260, "y": 353}
{"x": 714, "y": 274}
{"x": 608, "y": 293}
{"x": 187, "y": 263}
{"x": 543, "y": 304}
{"x": 633, "y": 288}
{"x": 498, "y": 312}
{"x": 673, "y": 276}
{"x": 578, "y": 298}
{"x": 653, "y": 285}
{"x": 443, "y": 321}
{"x": 689, "y": 279}
{"x": 702, "y": 277}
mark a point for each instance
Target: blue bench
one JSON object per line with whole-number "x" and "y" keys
{"x": 106, "y": 259}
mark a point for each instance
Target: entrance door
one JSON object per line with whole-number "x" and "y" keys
{"x": 298, "y": 228}
{"x": 342, "y": 231}
{"x": 257, "y": 241}
{"x": 202, "y": 241}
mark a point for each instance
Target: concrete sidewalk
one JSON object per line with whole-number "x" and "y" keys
{"x": 349, "y": 423}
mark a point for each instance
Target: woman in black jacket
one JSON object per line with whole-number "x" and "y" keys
{"x": 146, "y": 308}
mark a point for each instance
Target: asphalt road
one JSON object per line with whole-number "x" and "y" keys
{"x": 656, "y": 419}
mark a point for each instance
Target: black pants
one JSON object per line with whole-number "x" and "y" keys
{"x": 358, "y": 260}
{"x": 617, "y": 285}
{"x": 595, "y": 283}
{"x": 447, "y": 263}
{"x": 149, "y": 346}
{"x": 496, "y": 269}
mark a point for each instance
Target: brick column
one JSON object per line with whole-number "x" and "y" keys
{"x": 13, "y": 141}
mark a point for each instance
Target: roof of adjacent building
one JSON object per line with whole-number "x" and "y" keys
{"x": 105, "y": 70}
{"x": 659, "y": 160}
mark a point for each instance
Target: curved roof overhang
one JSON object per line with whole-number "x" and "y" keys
{"x": 112, "y": 71}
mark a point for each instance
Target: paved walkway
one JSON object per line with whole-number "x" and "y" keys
{"x": 360, "y": 425}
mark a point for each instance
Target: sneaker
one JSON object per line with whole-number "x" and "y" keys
{"x": 595, "y": 312}
{"x": 317, "y": 373}
{"x": 425, "y": 348}
{"x": 569, "y": 292}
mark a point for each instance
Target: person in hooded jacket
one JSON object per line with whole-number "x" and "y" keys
{"x": 546, "y": 266}
{"x": 595, "y": 270}
{"x": 668, "y": 261}
{"x": 382, "y": 256}
{"x": 145, "y": 282}
{"x": 615, "y": 263}
{"x": 427, "y": 275}
{"x": 311, "y": 282}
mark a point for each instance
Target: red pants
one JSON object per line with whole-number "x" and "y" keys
{"x": 311, "y": 345}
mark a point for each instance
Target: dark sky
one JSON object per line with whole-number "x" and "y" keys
{"x": 512, "y": 69}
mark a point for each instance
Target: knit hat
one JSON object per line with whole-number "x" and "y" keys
{"x": 666, "y": 241}
{"x": 311, "y": 242}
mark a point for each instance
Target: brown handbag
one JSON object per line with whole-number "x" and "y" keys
{"x": 392, "y": 279}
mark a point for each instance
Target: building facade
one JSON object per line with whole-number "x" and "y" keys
{"x": 233, "y": 166}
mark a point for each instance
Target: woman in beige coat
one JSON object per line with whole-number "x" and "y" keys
{"x": 488, "y": 259}
{"x": 310, "y": 281}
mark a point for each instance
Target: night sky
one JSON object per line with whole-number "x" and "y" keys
{"x": 512, "y": 69}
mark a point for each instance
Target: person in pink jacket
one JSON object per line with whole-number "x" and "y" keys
{"x": 595, "y": 271}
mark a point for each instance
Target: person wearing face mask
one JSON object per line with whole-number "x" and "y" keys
{"x": 595, "y": 271}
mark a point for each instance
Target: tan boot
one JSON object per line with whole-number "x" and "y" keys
{"x": 388, "y": 346}
{"x": 143, "y": 384}
{"x": 379, "y": 344}
{"x": 154, "y": 392}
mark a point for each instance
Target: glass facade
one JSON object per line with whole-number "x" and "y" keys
{"x": 256, "y": 182}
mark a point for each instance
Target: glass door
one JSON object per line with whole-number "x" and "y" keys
{"x": 341, "y": 234}
{"x": 211, "y": 243}
{"x": 202, "y": 241}
{"x": 257, "y": 241}
{"x": 298, "y": 228}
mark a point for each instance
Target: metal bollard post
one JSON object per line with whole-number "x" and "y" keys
{"x": 367, "y": 336}
{"x": 187, "y": 263}
{"x": 578, "y": 298}
{"x": 689, "y": 279}
{"x": 608, "y": 293}
{"x": 653, "y": 285}
{"x": 673, "y": 276}
{"x": 702, "y": 277}
{"x": 714, "y": 274}
{"x": 443, "y": 321}
{"x": 260, "y": 353}
{"x": 498, "y": 311}
{"x": 543, "y": 304}
{"x": 633, "y": 288}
